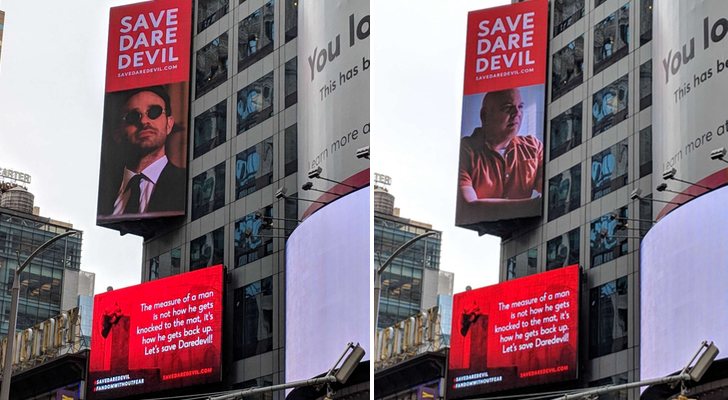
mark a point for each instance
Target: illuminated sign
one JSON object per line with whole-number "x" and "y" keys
{"x": 14, "y": 175}
{"x": 143, "y": 171}
{"x": 408, "y": 338}
{"x": 158, "y": 335}
{"x": 45, "y": 341}
{"x": 517, "y": 333}
{"x": 500, "y": 175}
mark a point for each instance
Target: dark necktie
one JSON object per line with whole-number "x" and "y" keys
{"x": 134, "y": 189}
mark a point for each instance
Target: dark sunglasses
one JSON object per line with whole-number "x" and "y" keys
{"x": 134, "y": 117}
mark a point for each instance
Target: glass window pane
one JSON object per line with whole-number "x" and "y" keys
{"x": 253, "y": 326}
{"x": 211, "y": 67}
{"x": 564, "y": 192}
{"x": 291, "y": 19}
{"x": 209, "y": 11}
{"x": 609, "y": 105}
{"x": 290, "y": 82}
{"x": 565, "y": 131}
{"x": 291, "y": 149}
{"x": 253, "y": 237}
{"x": 567, "y": 68}
{"x": 566, "y": 12}
{"x": 255, "y": 36}
{"x": 645, "y": 21}
{"x": 609, "y": 170}
{"x": 645, "y": 85}
{"x": 254, "y": 169}
{"x": 608, "y": 318}
{"x": 208, "y": 191}
{"x": 563, "y": 250}
{"x": 646, "y": 151}
{"x": 207, "y": 250}
{"x": 210, "y": 129}
{"x": 611, "y": 39}
{"x": 255, "y": 103}
{"x": 606, "y": 241}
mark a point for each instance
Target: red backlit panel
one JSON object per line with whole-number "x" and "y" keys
{"x": 158, "y": 335}
{"x": 518, "y": 333}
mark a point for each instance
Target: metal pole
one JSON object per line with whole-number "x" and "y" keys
{"x": 379, "y": 271}
{"x": 252, "y": 391}
{"x": 8, "y": 367}
{"x": 614, "y": 388}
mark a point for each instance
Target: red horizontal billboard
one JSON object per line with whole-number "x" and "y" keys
{"x": 158, "y": 335}
{"x": 518, "y": 333}
{"x": 143, "y": 172}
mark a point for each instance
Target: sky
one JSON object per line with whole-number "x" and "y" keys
{"x": 418, "y": 55}
{"x": 51, "y": 100}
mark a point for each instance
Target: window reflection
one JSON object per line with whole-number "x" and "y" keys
{"x": 253, "y": 237}
{"x": 255, "y": 36}
{"x": 253, "y": 327}
{"x": 166, "y": 264}
{"x": 646, "y": 151}
{"x": 609, "y": 105}
{"x": 564, "y": 192}
{"x": 565, "y": 131}
{"x": 611, "y": 39}
{"x": 566, "y": 12}
{"x": 291, "y": 19}
{"x": 209, "y": 11}
{"x": 254, "y": 168}
{"x": 563, "y": 250}
{"x": 567, "y": 68}
{"x": 291, "y": 82}
{"x": 608, "y": 318}
{"x": 211, "y": 68}
{"x": 255, "y": 103}
{"x": 523, "y": 264}
{"x": 645, "y": 21}
{"x": 208, "y": 191}
{"x": 645, "y": 85}
{"x": 607, "y": 239}
{"x": 207, "y": 250}
{"x": 609, "y": 170}
{"x": 210, "y": 129}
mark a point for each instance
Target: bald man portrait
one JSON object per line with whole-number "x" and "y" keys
{"x": 501, "y": 172}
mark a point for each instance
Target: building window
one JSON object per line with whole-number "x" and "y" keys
{"x": 609, "y": 105}
{"x": 212, "y": 65}
{"x": 255, "y": 36}
{"x": 567, "y": 68}
{"x": 208, "y": 191}
{"x": 598, "y": 3}
{"x": 291, "y": 149}
{"x": 291, "y": 19}
{"x": 564, "y": 192}
{"x": 291, "y": 215}
{"x": 290, "y": 82}
{"x": 523, "y": 264}
{"x": 255, "y": 103}
{"x": 645, "y": 217}
{"x": 209, "y": 11}
{"x": 645, "y": 85}
{"x": 166, "y": 264}
{"x": 207, "y": 250}
{"x": 646, "y": 151}
{"x": 210, "y": 129}
{"x": 609, "y": 170}
{"x": 254, "y": 169}
{"x": 253, "y": 326}
{"x": 612, "y": 380}
{"x": 566, "y": 12}
{"x": 611, "y": 39}
{"x": 645, "y": 21}
{"x": 606, "y": 240}
{"x": 565, "y": 131}
{"x": 608, "y": 318}
{"x": 253, "y": 237}
{"x": 563, "y": 250}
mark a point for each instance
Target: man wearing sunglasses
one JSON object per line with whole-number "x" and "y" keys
{"x": 150, "y": 183}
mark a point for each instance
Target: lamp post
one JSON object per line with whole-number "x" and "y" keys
{"x": 15, "y": 298}
{"x": 379, "y": 271}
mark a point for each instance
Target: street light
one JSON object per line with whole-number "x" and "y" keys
{"x": 8, "y": 367}
{"x": 379, "y": 271}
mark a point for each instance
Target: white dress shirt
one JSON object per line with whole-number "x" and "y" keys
{"x": 151, "y": 176}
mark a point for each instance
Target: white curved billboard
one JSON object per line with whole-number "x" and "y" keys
{"x": 683, "y": 279}
{"x": 690, "y": 79}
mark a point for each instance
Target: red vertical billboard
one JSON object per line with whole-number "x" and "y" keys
{"x": 143, "y": 171}
{"x": 514, "y": 334}
{"x": 159, "y": 335}
{"x": 500, "y": 175}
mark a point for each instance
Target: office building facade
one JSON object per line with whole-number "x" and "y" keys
{"x": 49, "y": 278}
{"x": 598, "y": 150}
{"x": 413, "y": 279}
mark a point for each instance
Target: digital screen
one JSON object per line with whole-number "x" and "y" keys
{"x": 327, "y": 266}
{"x": 143, "y": 169}
{"x": 683, "y": 279}
{"x": 514, "y": 334}
{"x": 500, "y": 176}
{"x": 158, "y": 335}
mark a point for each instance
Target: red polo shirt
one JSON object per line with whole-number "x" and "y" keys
{"x": 513, "y": 175}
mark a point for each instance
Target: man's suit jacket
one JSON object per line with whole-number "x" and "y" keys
{"x": 168, "y": 195}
